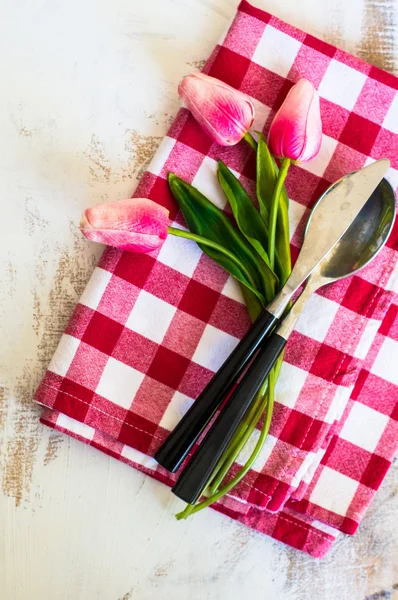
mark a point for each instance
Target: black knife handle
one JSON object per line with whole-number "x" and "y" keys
{"x": 196, "y": 474}
{"x": 181, "y": 439}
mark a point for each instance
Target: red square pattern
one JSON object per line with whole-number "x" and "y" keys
{"x": 230, "y": 316}
{"x": 102, "y": 333}
{"x": 183, "y": 160}
{"x": 118, "y": 299}
{"x": 360, "y": 133}
{"x": 244, "y": 35}
{"x": 160, "y": 396}
{"x": 73, "y": 400}
{"x": 334, "y": 118}
{"x": 230, "y": 67}
{"x": 361, "y": 296}
{"x": 389, "y": 325}
{"x": 301, "y": 431}
{"x": 262, "y": 84}
{"x": 374, "y": 101}
{"x": 192, "y": 135}
{"x": 176, "y": 337}
{"x": 166, "y": 283}
{"x": 168, "y": 367}
{"x": 384, "y": 77}
{"x": 375, "y": 471}
{"x": 210, "y": 274}
{"x": 309, "y": 64}
{"x": 385, "y": 141}
{"x": 160, "y": 192}
{"x": 134, "y": 268}
{"x": 194, "y": 380}
{"x": 333, "y": 365}
{"x": 79, "y": 321}
{"x": 138, "y": 432}
{"x": 78, "y": 371}
{"x": 199, "y": 300}
{"x": 135, "y": 350}
{"x": 344, "y": 160}
{"x": 320, "y": 46}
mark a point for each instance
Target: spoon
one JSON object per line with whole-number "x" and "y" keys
{"x": 356, "y": 248}
{"x": 330, "y": 218}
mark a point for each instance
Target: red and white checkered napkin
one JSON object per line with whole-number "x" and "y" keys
{"x": 150, "y": 330}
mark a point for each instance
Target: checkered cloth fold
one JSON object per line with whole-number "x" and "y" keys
{"x": 150, "y": 330}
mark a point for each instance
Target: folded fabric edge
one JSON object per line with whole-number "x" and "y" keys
{"x": 297, "y": 531}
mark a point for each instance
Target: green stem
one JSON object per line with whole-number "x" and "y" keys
{"x": 274, "y": 209}
{"x": 210, "y": 244}
{"x": 250, "y": 140}
{"x": 239, "y": 440}
{"x": 268, "y": 404}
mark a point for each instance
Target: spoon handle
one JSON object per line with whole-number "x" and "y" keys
{"x": 196, "y": 474}
{"x": 181, "y": 439}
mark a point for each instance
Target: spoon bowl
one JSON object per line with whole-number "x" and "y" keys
{"x": 363, "y": 239}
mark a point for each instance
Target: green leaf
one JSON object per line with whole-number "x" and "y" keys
{"x": 207, "y": 220}
{"x": 246, "y": 214}
{"x": 222, "y": 256}
{"x": 267, "y": 173}
{"x": 253, "y": 305}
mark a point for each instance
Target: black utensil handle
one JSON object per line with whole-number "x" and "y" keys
{"x": 196, "y": 474}
{"x": 181, "y": 439}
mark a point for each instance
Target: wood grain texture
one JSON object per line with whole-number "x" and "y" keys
{"x": 88, "y": 91}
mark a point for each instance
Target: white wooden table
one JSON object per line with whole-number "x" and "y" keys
{"x": 88, "y": 88}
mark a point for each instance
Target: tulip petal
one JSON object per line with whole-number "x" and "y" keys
{"x": 296, "y": 130}
{"x": 223, "y": 112}
{"x": 136, "y": 224}
{"x": 124, "y": 240}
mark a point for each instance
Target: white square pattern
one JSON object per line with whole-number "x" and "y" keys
{"x": 341, "y": 84}
{"x": 367, "y": 338}
{"x": 386, "y": 363}
{"x": 392, "y": 283}
{"x": 391, "y": 119}
{"x": 162, "y": 153}
{"x": 261, "y": 114}
{"x": 318, "y": 165}
{"x": 276, "y": 51}
{"x": 119, "y": 383}
{"x": 338, "y": 403}
{"x": 207, "y": 182}
{"x": 137, "y": 457}
{"x": 95, "y": 288}
{"x": 290, "y": 382}
{"x": 232, "y": 290}
{"x": 264, "y": 455}
{"x": 75, "y": 426}
{"x": 175, "y": 410}
{"x": 151, "y": 316}
{"x": 180, "y": 254}
{"x": 213, "y": 348}
{"x": 310, "y": 462}
{"x": 296, "y": 211}
{"x": 64, "y": 355}
{"x": 334, "y": 491}
{"x": 317, "y": 317}
{"x": 364, "y": 426}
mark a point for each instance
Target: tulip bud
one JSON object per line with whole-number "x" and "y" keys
{"x": 296, "y": 130}
{"x": 136, "y": 224}
{"x": 224, "y": 113}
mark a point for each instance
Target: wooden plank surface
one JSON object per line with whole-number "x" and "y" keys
{"x": 88, "y": 89}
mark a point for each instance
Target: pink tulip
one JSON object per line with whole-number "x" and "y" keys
{"x": 223, "y": 112}
{"x": 136, "y": 225}
{"x": 296, "y": 130}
